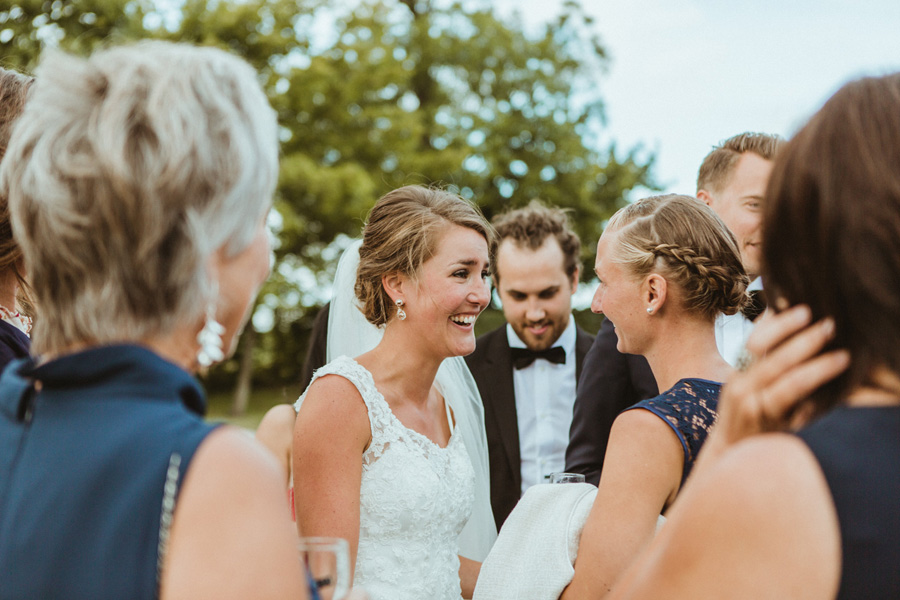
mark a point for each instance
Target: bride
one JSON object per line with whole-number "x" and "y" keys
{"x": 389, "y": 450}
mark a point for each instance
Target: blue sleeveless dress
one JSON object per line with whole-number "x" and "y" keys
{"x": 689, "y": 408}
{"x": 858, "y": 450}
{"x": 90, "y": 468}
{"x": 13, "y": 344}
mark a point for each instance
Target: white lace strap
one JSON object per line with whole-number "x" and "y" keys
{"x": 361, "y": 379}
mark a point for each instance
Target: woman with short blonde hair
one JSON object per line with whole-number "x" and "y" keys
{"x": 139, "y": 181}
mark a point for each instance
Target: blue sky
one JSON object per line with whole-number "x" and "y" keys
{"x": 685, "y": 74}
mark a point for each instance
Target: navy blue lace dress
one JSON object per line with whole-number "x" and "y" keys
{"x": 689, "y": 408}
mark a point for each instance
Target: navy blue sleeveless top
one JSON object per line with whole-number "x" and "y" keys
{"x": 858, "y": 450}
{"x": 689, "y": 408}
{"x": 90, "y": 467}
{"x": 13, "y": 344}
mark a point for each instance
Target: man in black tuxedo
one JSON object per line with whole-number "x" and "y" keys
{"x": 732, "y": 181}
{"x": 527, "y": 371}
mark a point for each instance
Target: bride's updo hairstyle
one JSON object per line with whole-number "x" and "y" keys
{"x": 683, "y": 240}
{"x": 401, "y": 233}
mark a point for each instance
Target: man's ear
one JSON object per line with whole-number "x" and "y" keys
{"x": 704, "y": 197}
{"x": 575, "y": 277}
{"x": 655, "y": 292}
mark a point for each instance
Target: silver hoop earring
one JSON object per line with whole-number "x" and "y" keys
{"x": 649, "y": 311}
{"x": 401, "y": 314}
{"x": 210, "y": 339}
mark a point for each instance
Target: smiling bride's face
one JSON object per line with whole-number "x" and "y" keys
{"x": 450, "y": 291}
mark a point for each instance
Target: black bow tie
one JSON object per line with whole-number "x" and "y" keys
{"x": 523, "y": 357}
{"x": 756, "y": 306}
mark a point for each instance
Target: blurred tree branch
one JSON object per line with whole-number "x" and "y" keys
{"x": 376, "y": 96}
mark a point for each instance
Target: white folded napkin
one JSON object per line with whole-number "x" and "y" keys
{"x": 533, "y": 556}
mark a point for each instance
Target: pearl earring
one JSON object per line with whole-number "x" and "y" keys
{"x": 649, "y": 311}
{"x": 401, "y": 314}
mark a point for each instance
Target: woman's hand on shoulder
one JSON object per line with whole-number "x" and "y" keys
{"x": 331, "y": 434}
{"x": 641, "y": 475}
{"x": 230, "y": 536}
{"x": 783, "y": 364}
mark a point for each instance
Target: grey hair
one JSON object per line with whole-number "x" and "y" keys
{"x": 125, "y": 174}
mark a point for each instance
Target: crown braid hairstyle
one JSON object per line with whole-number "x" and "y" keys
{"x": 683, "y": 240}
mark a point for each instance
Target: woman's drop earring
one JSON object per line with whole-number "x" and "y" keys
{"x": 210, "y": 339}
{"x": 401, "y": 314}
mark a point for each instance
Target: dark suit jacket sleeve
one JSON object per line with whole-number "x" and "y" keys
{"x": 610, "y": 382}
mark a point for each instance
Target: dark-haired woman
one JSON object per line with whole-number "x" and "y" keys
{"x": 814, "y": 513}
{"x": 139, "y": 181}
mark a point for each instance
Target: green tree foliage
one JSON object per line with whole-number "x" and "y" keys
{"x": 375, "y": 95}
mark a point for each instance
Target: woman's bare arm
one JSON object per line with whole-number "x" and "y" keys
{"x": 468, "y": 575}
{"x": 229, "y": 536}
{"x": 756, "y": 519}
{"x": 641, "y": 474}
{"x": 330, "y": 435}
{"x": 276, "y": 432}
{"x": 758, "y": 524}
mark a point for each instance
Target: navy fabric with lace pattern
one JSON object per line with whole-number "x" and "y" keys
{"x": 689, "y": 408}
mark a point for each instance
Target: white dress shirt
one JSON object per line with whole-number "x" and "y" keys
{"x": 545, "y": 394}
{"x": 732, "y": 331}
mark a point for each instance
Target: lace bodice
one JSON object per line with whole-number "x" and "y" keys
{"x": 415, "y": 498}
{"x": 689, "y": 408}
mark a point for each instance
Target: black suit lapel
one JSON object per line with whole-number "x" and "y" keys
{"x": 503, "y": 395}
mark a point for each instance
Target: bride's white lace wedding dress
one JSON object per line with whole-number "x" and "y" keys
{"x": 415, "y": 498}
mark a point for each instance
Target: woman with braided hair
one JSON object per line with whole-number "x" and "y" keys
{"x": 667, "y": 267}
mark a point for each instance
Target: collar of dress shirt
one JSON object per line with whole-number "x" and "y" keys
{"x": 566, "y": 339}
{"x": 755, "y": 285}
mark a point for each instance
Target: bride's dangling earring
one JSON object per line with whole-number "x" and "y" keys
{"x": 401, "y": 314}
{"x": 210, "y": 339}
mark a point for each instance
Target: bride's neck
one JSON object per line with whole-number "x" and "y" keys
{"x": 397, "y": 363}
